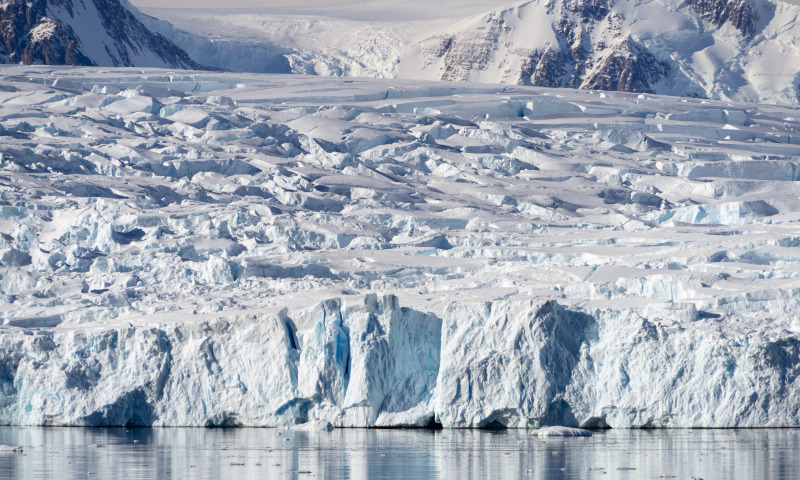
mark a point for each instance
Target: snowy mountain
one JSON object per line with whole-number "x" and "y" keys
{"x": 83, "y": 32}
{"x": 741, "y": 49}
{"x": 744, "y": 50}
{"x": 243, "y": 249}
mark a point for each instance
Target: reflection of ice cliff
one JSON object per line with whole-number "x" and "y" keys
{"x": 367, "y": 361}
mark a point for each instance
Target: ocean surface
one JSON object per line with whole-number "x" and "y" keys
{"x": 195, "y": 453}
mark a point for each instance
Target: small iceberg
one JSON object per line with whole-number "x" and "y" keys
{"x": 314, "y": 426}
{"x": 561, "y": 432}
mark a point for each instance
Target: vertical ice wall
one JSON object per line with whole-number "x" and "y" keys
{"x": 367, "y": 361}
{"x": 527, "y": 364}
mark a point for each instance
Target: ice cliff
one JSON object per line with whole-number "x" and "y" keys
{"x": 367, "y": 361}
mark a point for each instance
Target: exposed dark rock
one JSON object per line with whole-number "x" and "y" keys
{"x": 40, "y": 32}
{"x": 589, "y": 49}
{"x": 627, "y": 68}
{"x": 739, "y": 13}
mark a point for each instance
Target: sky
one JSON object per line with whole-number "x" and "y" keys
{"x": 261, "y": 3}
{"x": 240, "y": 3}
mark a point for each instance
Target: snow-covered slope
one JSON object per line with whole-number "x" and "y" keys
{"x": 197, "y": 249}
{"x": 744, "y": 50}
{"x": 740, "y": 49}
{"x": 365, "y": 41}
{"x": 83, "y": 32}
{"x": 229, "y": 53}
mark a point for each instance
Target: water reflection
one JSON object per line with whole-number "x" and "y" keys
{"x": 186, "y": 453}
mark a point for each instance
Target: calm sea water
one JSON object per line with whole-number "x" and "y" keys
{"x": 189, "y": 453}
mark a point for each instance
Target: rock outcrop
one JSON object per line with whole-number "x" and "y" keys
{"x": 88, "y": 32}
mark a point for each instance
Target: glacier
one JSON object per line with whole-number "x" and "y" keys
{"x": 185, "y": 248}
{"x": 366, "y": 361}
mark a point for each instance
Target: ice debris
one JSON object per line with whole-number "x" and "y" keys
{"x": 314, "y": 426}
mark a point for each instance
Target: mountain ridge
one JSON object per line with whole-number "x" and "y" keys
{"x": 737, "y": 50}
{"x": 83, "y": 32}
{"x": 703, "y": 48}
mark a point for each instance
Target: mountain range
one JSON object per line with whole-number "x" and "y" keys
{"x": 726, "y": 49}
{"x": 744, "y": 50}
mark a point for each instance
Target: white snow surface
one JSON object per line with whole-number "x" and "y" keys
{"x": 495, "y": 41}
{"x": 43, "y": 30}
{"x": 188, "y": 248}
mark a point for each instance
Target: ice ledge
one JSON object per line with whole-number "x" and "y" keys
{"x": 366, "y": 361}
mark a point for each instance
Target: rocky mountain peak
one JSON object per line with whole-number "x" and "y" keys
{"x": 645, "y": 47}
{"x": 626, "y": 67}
{"x": 741, "y": 14}
{"x": 82, "y": 32}
{"x": 585, "y": 9}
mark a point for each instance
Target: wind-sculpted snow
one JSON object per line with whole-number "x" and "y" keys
{"x": 181, "y": 248}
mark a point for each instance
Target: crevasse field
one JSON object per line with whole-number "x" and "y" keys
{"x": 185, "y": 248}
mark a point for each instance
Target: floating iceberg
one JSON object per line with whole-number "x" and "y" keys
{"x": 561, "y": 432}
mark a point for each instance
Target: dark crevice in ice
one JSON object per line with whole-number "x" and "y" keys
{"x": 434, "y": 424}
{"x": 495, "y": 425}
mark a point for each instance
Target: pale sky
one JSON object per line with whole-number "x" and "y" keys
{"x": 262, "y": 3}
{"x": 242, "y": 3}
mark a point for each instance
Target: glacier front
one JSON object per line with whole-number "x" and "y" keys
{"x": 208, "y": 249}
{"x": 366, "y": 361}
